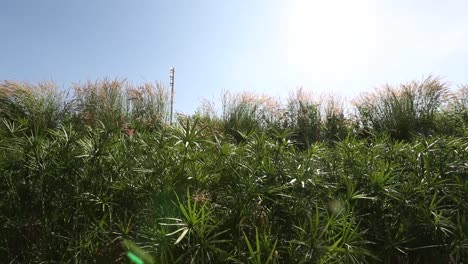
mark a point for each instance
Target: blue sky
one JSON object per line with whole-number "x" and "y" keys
{"x": 337, "y": 46}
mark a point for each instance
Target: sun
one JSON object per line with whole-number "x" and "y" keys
{"x": 330, "y": 37}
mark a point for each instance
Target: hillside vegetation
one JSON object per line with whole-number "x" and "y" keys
{"x": 92, "y": 172}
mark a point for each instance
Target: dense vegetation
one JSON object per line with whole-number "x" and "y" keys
{"x": 300, "y": 181}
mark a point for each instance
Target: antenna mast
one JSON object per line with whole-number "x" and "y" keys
{"x": 171, "y": 79}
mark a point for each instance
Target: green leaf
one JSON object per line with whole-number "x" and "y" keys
{"x": 181, "y": 236}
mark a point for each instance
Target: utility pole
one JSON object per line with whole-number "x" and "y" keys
{"x": 171, "y": 79}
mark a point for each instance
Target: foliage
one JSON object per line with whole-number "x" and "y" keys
{"x": 305, "y": 185}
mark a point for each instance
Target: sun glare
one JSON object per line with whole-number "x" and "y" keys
{"x": 331, "y": 37}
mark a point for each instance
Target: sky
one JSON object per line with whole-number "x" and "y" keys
{"x": 269, "y": 47}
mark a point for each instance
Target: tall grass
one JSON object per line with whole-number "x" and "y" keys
{"x": 460, "y": 102}
{"x": 303, "y": 116}
{"x": 119, "y": 103}
{"x": 403, "y": 111}
{"x": 37, "y": 107}
{"x": 307, "y": 119}
{"x": 452, "y": 119}
{"x": 299, "y": 186}
{"x": 247, "y": 112}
